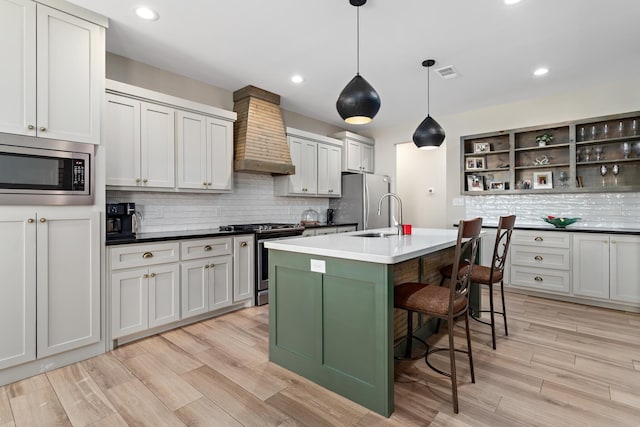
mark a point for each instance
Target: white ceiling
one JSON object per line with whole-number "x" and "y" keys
{"x": 494, "y": 48}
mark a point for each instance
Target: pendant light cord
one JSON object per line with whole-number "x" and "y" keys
{"x": 428, "y": 90}
{"x": 358, "y": 40}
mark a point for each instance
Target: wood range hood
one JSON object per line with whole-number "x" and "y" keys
{"x": 260, "y": 142}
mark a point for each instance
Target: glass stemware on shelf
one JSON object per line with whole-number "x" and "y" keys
{"x": 626, "y": 149}
{"x": 598, "y": 152}
{"x": 587, "y": 154}
{"x": 603, "y": 172}
{"x": 615, "y": 170}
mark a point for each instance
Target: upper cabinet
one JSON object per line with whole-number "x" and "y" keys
{"x": 357, "y": 154}
{"x": 593, "y": 155}
{"x": 52, "y": 77}
{"x": 317, "y": 160}
{"x": 144, "y": 131}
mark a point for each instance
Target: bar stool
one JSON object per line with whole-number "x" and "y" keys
{"x": 490, "y": 275}
{"x": 446, "y": 303}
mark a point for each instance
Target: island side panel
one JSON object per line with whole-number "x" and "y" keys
{"x": 334, "y": 328}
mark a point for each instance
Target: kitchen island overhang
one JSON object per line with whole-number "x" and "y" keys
{"x": 331, "y": 316}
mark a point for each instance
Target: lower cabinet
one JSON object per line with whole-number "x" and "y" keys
{"x": 244, "y": 268}
{"x": 607, "y": 266}
{"x": 47, "y": 307}
{"x": 206, "y": 285}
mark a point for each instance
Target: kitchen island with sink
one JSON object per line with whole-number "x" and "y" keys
{"x": 331, "y": 315}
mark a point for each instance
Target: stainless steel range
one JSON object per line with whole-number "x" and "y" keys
{"x": 263, "y": 233}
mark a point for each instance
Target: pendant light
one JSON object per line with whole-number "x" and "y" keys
{"x": 429, "y": 134}
{"x": 358, "y": 102}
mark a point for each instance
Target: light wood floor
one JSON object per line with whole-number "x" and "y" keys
{"x": 562, "y": 365}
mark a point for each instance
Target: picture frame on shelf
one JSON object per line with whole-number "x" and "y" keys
{"x": 475, "y": 183}
{"x": 475, "y": 163}
{"x": 496, "y": 185}
{"x": 481, "y": 147}
{"x": 542, "y": 180}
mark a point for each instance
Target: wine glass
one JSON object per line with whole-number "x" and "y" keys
{"x": 620, "y": 129}
{"x": 605, "y": 131}
{"x": 587, "y": 154}
{"x": 593, "y": 132}
{"x": 603, "y": 172}
{"x": 582, "y": 134}
{"x": 580, "y": 155}
{"x": 634, "y": 127}
{"x": 615, "y": 170}
{"x": 598, "y": 152}
{"x": 626, "y": 149}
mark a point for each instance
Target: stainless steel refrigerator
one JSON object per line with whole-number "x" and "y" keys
{"x": 359, "y": 202}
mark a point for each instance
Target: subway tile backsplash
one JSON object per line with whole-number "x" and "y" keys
{"x": 252, "y": 201}
{"x": 596, "y": 210}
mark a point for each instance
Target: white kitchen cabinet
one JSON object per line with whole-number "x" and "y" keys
{"x": 205, "y": 152}
{"x": 329, "y": 170}
{"x": 244, "y": 267}
{"x": 140, "y": 143}
{"x": 606, "y": 266}
{"x": 51, "y": 276}
{"x": 52, "y": 76}
{"x": 317, "y": 160}
{"x": 358, "y": 152}
{"x": 346, "y": 228}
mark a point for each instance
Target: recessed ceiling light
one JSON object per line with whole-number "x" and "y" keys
{"x": 541, "y": 71}
{"x": 511, "y": 1}
{"x": 297, "y": 79}
{"x": 146, "y": 13}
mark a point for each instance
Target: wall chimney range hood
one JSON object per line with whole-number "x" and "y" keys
{"x": 260, "y": 142}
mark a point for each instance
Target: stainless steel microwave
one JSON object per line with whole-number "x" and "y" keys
{"x": 39, "y": 171}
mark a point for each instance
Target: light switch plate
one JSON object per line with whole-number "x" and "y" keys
{"x": 318, "y": 266}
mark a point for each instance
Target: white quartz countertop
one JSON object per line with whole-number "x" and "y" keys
{"x": 382, "y": 250}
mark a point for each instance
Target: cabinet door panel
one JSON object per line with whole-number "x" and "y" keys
{"x": 220, "y": 153}
{"x": 625, "y": 268}
{"x": 18, "y": 290}
{"x": 18, "y": 70}
{"x": 324, "y": 183}
{"x": 310, "y": 167}
{"x": 335, "y": 175}
{"x": 68, "y": 269}
{"x": 129, "y": 302}
{"x": 195, "y": 292}
{"x": 122, "y": 141}
{"x": 220, "y": 282}
{"x": 546, "y": 280}
{"x": 164, "y": 294}
{"x": 244, "y": 271}
{"x": 296, "y": 181}
{"x": 352, "y": 154}
{"x": 70, "y": 58}
{"x": 192, "y": 150}
{"x": 158, "y": 145}
{"x": 591, "y": 265}
{"x": 366, "y": 158}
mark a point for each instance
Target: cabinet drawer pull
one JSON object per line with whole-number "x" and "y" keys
{"x": 153, "y": 274}
{"x": 146, "y": 276}
{"x": 538, "y": 239}
{"x": 243, "y": 244}
{"x": 145, "y": 180}
{"x": 30, "y": 220}
{"x": 42, "y": 128}
{"x": 538, "y": 258}
{"x": 138, "y": 180}
{"x": 31, "y": 127}
{"x": 538, "y": 279}
{"x": 43, "y": 219}
{"x": 147, "y": 255}
{"x": 207, "y": 248}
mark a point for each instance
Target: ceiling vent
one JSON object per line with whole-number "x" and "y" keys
{"x": 447, "y": 72}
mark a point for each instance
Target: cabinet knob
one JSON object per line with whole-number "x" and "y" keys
{"x": 208, "y": 183}
{"x": 243, "y": 244}
{"x": 30, "y": 220}
{"x": 147, "y": 255}
{"x": 43, "y": 219}
{"x": 153, "y": 274}
{"x": 42, "y": 128}
{"x": 207, "y": 248}
{"x": 31, "y": 127}
{"x": 538, "y": 279}
{"x": 538, "y": 239}
{"x": 613, "y": 242}
{"x": 146, "y": 276}
{"x": 206, "y": 266}
{"x": 538, "y": 258}
{"x": 145, "y": 180}
{"x": 204, "y": 183}
{"x": 138, "y": 180}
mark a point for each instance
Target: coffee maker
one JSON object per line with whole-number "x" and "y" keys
{"x": 330, "y": 215}
{"x": 121, "y": 220}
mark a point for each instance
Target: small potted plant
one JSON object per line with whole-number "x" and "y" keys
{"x": 543, "y": 139}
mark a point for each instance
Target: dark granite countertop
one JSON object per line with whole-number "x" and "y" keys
{"x": 191, "y": 234}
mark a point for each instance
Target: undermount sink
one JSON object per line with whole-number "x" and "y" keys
{"x": 379, "y": 234}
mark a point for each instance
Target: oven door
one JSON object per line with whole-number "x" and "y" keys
{"x": 262, "y": 265}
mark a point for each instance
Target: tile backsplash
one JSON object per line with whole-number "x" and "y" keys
{"x": 596, "y": 210}
{"x": 252, "y": 201}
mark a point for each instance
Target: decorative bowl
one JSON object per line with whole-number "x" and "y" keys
{"x": 560, "y": 222}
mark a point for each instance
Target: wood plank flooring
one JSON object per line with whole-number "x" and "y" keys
{"x": 562, "y": 365}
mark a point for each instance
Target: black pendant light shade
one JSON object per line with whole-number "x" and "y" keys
{"x": 358, "y": 102}
{"x": 429, "y": 134}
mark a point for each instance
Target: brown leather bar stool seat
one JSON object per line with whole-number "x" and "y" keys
{"x": 445, "y": 303}
{"x": 488, "y": 276}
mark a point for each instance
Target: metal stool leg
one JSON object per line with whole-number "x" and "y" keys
{"x": 466, "y": 325}
{"x": 493, "y": 320}
{"x": 504, "y": 308}
{"x": 452, "y": 357}
{"x": 407, "y": 351}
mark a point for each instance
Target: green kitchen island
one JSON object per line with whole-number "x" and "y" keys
{"x": 331, "y": 315}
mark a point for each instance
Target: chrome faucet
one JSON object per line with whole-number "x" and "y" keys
{"x": 395, "y": 196}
